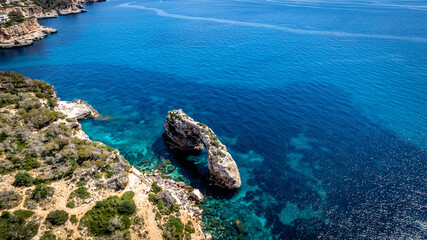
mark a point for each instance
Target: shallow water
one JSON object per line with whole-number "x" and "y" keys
{"x": 321, "y": 103}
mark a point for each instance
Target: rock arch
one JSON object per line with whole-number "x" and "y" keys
{"x": 183, "y": 133}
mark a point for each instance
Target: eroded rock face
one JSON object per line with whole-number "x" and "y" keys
{"x": 78, "y": 109}
{"x": 182, "y": 132}
{"x": 23, "y": 34}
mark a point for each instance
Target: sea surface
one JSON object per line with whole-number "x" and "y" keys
{"x": 323, "y": 105}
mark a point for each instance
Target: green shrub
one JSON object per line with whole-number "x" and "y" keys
{"x": 189, "y": 228}
{"x": 17, "y": 226}
{"x": 23, "y": 214}
{"x": 175, "y": 208}
{"x": 57, "y": 218}
{"x": 30, "y": 163}
{"x": 41, "y": 192}
{"x": 40, "y": 95}
{"x": 152, "y": 198}
{"x": 155, "y": 188}
{"x": 71, "y": 204}
{"x": 3, "y": 136}
{"x": 81, "y": 193}
{"x": 23, "y": 179}
{"x": 81, "y": 183}
{"x": 174, "y": 229}
{"x": 158, "y": 216}
{"x": 48, "y": 235}
{"x": 127, "y": 207}
{"x": 128, "y": 195}
{"x": 40, "y": 118}
{"x": 108, "y": 216}
{"x": 73, "y": 219}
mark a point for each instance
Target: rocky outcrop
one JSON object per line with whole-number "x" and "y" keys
{"x": 32, "y": 11}
{"x": 197, "y": 195}
{"x": 78, "y": 109}
{"x": 182, "y": 132}
{"x": 72, "y": 9}
{"x": 23, "y": 34}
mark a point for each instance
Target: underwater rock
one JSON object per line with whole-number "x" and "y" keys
{"x": 182, "y": 132}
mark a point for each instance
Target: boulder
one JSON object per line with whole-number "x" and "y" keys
{"x": 197, "y": 195}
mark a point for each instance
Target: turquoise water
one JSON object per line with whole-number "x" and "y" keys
{"x": 321, "y": 103}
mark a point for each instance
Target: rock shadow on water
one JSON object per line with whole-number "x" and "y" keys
{"x": 193, "y": 164}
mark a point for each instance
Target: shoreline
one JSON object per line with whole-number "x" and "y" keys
{"x": 26, "y": 33}
{"x": 61, "y": 159}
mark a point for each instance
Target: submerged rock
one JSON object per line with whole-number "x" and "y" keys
{"x": 183, "y": 133}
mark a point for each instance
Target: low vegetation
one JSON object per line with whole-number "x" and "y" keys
{"x": 18, "y": 225}
{"x": 23, "y": 179}
{"x": 38, "y": 147}
{"x": 9, "y": 199}
{"x": 14, "y": 18}
{"x": 110, "y": 216}
{"x": 57, "y": 217}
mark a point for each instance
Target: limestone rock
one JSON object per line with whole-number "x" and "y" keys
{"x": 182, "y": 132}
{"x": 78, "y": 109}
{"x": 23, "y": 34}
{"x": 197, "y": 195}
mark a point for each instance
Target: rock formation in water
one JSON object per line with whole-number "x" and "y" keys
{"x": 183, "y": 133}
{"x": 23, "y": 34}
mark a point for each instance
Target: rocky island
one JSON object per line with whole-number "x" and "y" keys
{"x": 57, "y": 183}
{"x": 183, "y": 133}
{"x": 18, "y": 19}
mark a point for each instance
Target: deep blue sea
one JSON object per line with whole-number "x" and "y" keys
{"x": 323, "y": 104}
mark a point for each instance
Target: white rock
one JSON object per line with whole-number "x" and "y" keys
{"x": 197, "y": 195}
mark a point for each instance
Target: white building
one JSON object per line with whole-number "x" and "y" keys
{"x": 3, "y": 18}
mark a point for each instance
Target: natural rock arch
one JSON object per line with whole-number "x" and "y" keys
{"x": 182, "y": 132}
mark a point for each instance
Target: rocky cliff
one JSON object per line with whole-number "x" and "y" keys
{"x": 23, "y": 34}
{"x": 182, "y": 132}
{"x": 32, "y": 11}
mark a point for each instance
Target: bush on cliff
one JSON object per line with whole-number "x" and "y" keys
{"x": 48, "y": 235}
{"x": 9, "y": 199}
{"x": 41, "y": 192}
{"x": 109, "y": 216}
{"x": 174, "y": 229}
{"x": 17, "y": 225}
{"x": 14, "y": 18}
{"x": 57, "y": 218}
{"x": 23, "y": 179}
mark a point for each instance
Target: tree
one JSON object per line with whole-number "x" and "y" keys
{"x": 23, "y": 179}
{"x": 57, "y": 218}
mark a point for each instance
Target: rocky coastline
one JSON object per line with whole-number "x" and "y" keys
{"x": 78, "y": 177}
{"x": 29, "y": 31}
{"x": 23, "y": 34}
